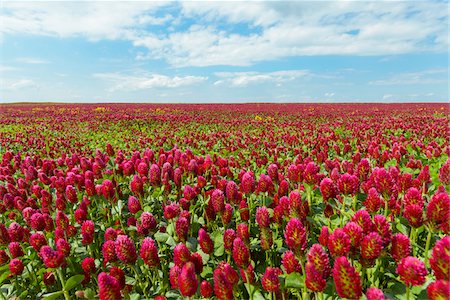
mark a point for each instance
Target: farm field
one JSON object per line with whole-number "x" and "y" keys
{"x": 224, "y": 201}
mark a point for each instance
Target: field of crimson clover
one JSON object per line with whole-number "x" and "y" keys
{"x": 251, "y": 201}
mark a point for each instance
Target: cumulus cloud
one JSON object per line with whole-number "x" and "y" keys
{"x": 241, "y": 33}
{"x": 16, "y": 84}
{"x": 430, "y": 76}
{"x": 122, "y": 82}
{"x": 242, "y": 79}
{"x": 32, "y": 60}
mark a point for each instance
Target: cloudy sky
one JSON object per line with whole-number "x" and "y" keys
{"x": 280, "y": 51}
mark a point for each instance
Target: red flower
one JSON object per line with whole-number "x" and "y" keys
{"x": 187, "y": 280}
{"x": 125, "y": 249}
{"x": 173, "y": 276}
{"x": 15, "y": 249}
{"x": 149, "y": 252}
{"x": 244, "y": 211}
{"x": 16, "y": 266}
{"x": 37, "y": 240}
{"x": 295, "y": 235}
{"x": 218, "y": 202}
{"x": 223, "y": 289}
{"x": 4, "y": 235}
{"x": 346, "y": 279}
{"x": 109, "y": 251}
{"x": 248, "y": 275}
{"x": 319, "y": 259}
{"x": 270, "y": 280}
{"x": 401, "y": 246}
{"x": 314, "y": 279}
{"x": 37, "y": 222}
{"x": 412, "y": 271}
{"x": 133, "y": 204}
{"x": 413, "y": 196}
{"x": 243, "y": 232}
{"x": 206, "y": 289}
{"x": 228, "y": 238}
{"x": 383, "y": 228}
{"x": 51, "y": 258}
{"x": 414, "y": 214}
{"x": 137, "y": 186}
{"x": 241, "y": 254}
{"x": 328, "y": 189}
{"x": 232, "y": 191}
{"x": 323, "y": 237}
{"x": 362, "y": 218}
{"x": 181, "y": 255}
{"x": 440, "y": 259}
{"x": 227, "y": 214}
{"x": 438, "y": 210}
{"x": 338, "y": 243}
{"x": 63, "y": 247}
{"x": 348, "y": 184}
{"x": 182, "y": 228}
{"x": 438, "y": 290}
{"x": 371, "y": 246}
{"x": 374, "y": 294}
{"x": 148, "y": 221}
{"x": 109, "y": 288}
{"x": 108, "y": 189}
{"x": 373, "y": 201}
{"x": 15, "y": 232}
{"x": 48, "y": 278}
{"x": 88, "y": 265}
{"x": 290, "y": 262}
{"x": 205, "y": 241}
{"x": 248, "y": 183}
{"x": 355, "y": 233}
{"x": 230, "y": 273}
{"x": 262, "y": 217}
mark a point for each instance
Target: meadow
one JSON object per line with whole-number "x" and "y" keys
{"x": 223, "y": 201}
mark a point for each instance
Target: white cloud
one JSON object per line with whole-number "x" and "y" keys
{"x": 241, "y": 33}
{"x": 300, "y": 29}
{"x": 241, "y": 79}
{"x": 431, "y": 76}
{"x": 121, "y": 82}
{"x": 32, "y": 60}
{"x": 15, "y": 84}
{"x": 4, "y": 68}
{"x": 93, "y": 20}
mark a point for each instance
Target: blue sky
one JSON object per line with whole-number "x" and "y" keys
{"x": 224, "y": 51}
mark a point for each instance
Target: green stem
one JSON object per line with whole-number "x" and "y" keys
{"x": 427, "y": 245}
{"x": 341, "y": 215}
{"x": 305, "y": 289}
{"x": 354, "y": 202}
{"x": 412, "y": 237}
{"x": 250, "y": 292}
{"x": 63, "y": 284}
{"x": 386, "y": 207}
{"x": 308, "y": 195}
{"x": 408, "y": 292}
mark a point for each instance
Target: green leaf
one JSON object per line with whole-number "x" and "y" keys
{"x": 53, "y": 295}
{"x": 161, "y": 237}
{"x": 73, "y": 282}
{"x": 192, "y": 244}
{"x": 294, "y": 280}
{"x": 4, "y": 276}
{"x": 251, "y": 289}
{"x": 171, "y": 242}
{"x": 89, "y": 293}
{"x": 135, "y": 296}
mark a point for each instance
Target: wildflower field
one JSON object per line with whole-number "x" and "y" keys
{"x": 215, "y": 201}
